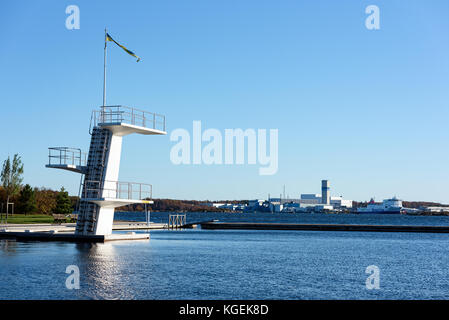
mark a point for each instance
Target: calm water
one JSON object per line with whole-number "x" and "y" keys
{"x": 393, "y": 219}
{"x": 236, "y": 264}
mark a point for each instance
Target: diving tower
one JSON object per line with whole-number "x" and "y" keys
{"x": 100, "y": 190}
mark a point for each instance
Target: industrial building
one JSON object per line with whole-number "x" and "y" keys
{"x": 325, "y": 192}
{"x": 308, "y": 202}
{"x": 323, "y": 201}
{"x": 339, "y": 202}
{"x": 310, "y": 198}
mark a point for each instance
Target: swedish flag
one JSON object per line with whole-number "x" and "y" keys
{"x": 109, "y": 38}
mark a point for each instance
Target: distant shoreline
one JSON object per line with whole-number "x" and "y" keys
{"x": 427, "y": 214}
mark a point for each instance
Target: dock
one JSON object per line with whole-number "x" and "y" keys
{"x": 323, "y": 227}
{"x": 70, "y": 227}
{"x": 71, "y": 237}
{"x": 66, "y": 232}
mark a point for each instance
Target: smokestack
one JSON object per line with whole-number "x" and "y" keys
{"x": 325, "y": 193}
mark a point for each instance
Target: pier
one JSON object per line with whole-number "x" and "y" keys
{"x": 323, "y": 227}
{"x": 71, "y": 237}
{"x": 66, "y": 232}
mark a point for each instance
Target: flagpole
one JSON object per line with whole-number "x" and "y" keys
{"x": 104, "y": 70}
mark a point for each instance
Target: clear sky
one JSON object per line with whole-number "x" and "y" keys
{"x": 366, "y": 109}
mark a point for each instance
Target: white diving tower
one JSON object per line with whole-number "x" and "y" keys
{"x": 100, "y": 190}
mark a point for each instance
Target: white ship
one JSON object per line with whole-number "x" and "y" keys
{"x": 391, "y": 206}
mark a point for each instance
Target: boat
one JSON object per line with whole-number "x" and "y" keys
{"x": 388, "y": 206}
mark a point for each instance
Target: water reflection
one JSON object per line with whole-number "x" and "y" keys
{"x": 101, "y": 271}
{"x": 8, "y": 246}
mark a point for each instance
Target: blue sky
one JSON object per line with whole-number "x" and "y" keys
{"x": 366, "y": 109}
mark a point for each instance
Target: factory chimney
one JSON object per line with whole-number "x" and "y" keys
{"x": 325, "y": 193}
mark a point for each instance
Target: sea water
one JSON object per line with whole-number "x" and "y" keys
{"x": 237, "y": 264}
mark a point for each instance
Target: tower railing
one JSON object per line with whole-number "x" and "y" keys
{"x": 123, "y": 114}
{"x": 117, "y": 190}
{"x": 66, "y": 156}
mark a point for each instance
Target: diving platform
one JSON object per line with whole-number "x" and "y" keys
{"x": 68, "y": 167}
{"x": 123, "y": 129}
{"x": 122, "y": 120}
{"x": 114, "y": 203}
{"x": 113, "y": 194}
{"x": 66, "y": 158}
{"x": 100, "y": 190}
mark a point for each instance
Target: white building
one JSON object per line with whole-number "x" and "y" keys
{"x": 310, "y": 198}
{"x": 324, "y": 199}
{"x": 339, "y": 202}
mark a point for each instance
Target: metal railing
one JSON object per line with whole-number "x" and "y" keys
{"x": 123, "y": 114}
{"x": 176, "y": 221}
{"x": 117, "y": 190}
{"x": 66, "y": 156}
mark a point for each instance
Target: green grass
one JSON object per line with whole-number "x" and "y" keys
{"x": 30, "y": 218}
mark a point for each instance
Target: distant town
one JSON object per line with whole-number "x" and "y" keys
{"x": 306, "y": 203}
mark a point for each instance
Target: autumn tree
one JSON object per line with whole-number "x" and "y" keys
{"x": 45, "y": 200}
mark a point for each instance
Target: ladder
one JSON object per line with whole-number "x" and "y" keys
{"x": 99, "y": 146}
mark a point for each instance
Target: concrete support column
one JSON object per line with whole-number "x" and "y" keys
{"x": 105, "y": 217}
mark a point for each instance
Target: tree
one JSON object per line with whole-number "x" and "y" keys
{"x": 63, "y": 203}
{"x": 27, "y": 200}
{"x": 45, "y": 200}
{"x": 11, "y": 177}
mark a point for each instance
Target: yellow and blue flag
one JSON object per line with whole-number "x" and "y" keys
{"x": 109, "y": 38}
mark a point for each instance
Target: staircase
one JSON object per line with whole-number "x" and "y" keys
{"x": 99, "y": 146}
